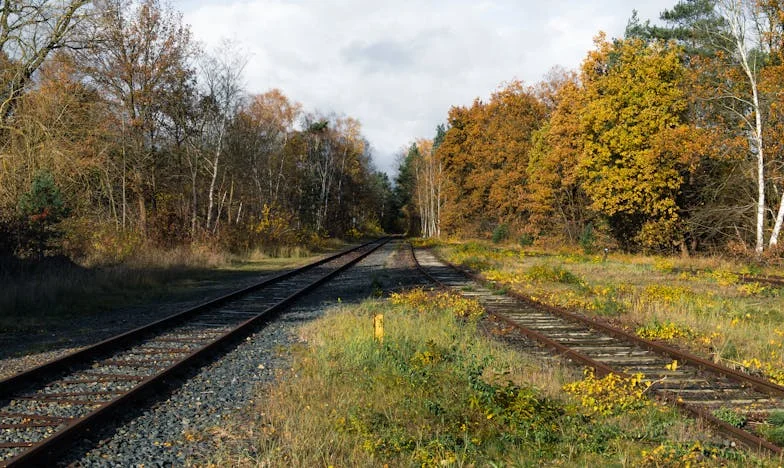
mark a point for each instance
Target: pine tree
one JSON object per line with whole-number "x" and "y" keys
{"x": 42, "y": 208}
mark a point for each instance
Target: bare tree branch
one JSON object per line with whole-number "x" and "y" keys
{"x": 29, "y": 32}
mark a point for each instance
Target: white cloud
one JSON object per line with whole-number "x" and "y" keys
{"x": 399, "y": 66}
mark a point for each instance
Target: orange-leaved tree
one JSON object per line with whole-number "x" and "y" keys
{"x": 555, "y": 197}
{"x": 485, "y": 155}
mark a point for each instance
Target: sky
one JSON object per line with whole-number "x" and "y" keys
{"x": 398, "y": 66}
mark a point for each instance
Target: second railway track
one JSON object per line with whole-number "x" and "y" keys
{"x": 48, "y": 407}
{"x": 695, "y": 385}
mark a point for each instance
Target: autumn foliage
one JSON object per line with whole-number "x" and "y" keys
{"x": 484, "y": 153}
{"x": 666, "y": 140}
{"x": 148, "y": 139}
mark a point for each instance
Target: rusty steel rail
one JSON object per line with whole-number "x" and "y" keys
{"x": 770, "y": 279}
{"x": 42, "y": 453}
{"x": 746, "y": 438}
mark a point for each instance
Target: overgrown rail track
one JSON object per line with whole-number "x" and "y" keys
{"x": 46, "y": 408}
{"x": 693, "y": 384}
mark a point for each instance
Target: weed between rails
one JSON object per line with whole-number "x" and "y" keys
{"x": 774, "y": 430}
{"x": 730, "y": 416}
{"x": 435, "y": 392}
{"x": 609, "y": 395}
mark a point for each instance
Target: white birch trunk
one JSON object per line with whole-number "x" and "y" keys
{"x": 735, "y": 13}
{"x": 211, "y": 192}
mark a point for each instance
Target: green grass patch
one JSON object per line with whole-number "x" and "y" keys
{"x": 774, "y": 430}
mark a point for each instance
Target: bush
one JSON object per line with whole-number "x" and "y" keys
{"x": 555, "y": 274}
{"x": 500, "y": 233}
{"x": 526, "y": 240}
{"x": 609, "y": 395}
{"x": 475, "y": 263}
{"x": 588, "y": 239}
{"x": 41, "y": 209}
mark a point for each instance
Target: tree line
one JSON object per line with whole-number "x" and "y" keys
{"x": 117, "y": 129}
{"x": 668, "y": 139}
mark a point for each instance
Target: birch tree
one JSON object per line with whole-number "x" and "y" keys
{"x": 740, "y": 16}
{"x": 423, "y": 177}
{"x": 221, "y": 76}
{"x": 270, "y": 120}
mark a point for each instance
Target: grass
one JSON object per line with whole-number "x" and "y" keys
{"x": 699, "y": 304}
{"x": 438, "y": 392}
{"x": 42, "y": 296}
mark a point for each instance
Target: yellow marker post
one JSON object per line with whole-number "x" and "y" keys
{"x": 378, "y": 327}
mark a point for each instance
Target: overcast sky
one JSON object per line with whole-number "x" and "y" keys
{"x": 398, "y": 66}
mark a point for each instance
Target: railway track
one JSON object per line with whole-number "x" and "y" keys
{"x": 696, "y": 385}
{"x": 46, "y": 408}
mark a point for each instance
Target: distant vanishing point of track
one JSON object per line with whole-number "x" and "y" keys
{"x": 47, "y": 408}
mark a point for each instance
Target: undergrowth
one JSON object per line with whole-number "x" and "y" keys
{"x": 40, "y": 295}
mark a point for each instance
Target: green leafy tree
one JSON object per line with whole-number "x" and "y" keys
{"x": 42, "y": 208}
{"x": 405, "y": 185}
{"x": 691, "y": 23}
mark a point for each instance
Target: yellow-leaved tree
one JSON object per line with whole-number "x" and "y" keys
{"x": 555, "y": 197}
{"x": 636, "y": 139}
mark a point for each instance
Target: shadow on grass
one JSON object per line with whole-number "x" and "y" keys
{"x": 40, "y": 296}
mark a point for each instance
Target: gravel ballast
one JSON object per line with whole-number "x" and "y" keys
{"x": 173, "y": 431}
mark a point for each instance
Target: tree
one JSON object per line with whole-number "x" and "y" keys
{"x": 427, "y": 184}
{"x": 29, "y": 32}
{"x": 271, "y": 117}
{"x": 404, "y": 190}
{"x": 140, "y": 62}
{"x": 737, "y": 14}
{"x": 42, "y": 208}
{"x": 555, "y": 197}
{"x": 221, "y": 102}
{"x": 59, "y": 125}
{"x": 635, "y": 109}
{"x": 692, "y": 24}
{"x": 720, "y": 106}
{"x": 485, "y": 155}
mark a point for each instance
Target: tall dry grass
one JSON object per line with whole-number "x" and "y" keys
{"x": 37, "y": 295}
